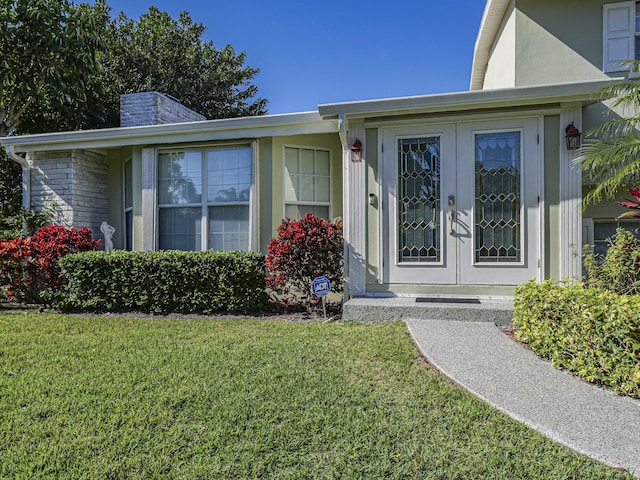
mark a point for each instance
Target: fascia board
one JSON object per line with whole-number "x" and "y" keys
{"x": 584, "y": 92}
{"x": 491, "y": 20}
{"x": 209, "y": 130}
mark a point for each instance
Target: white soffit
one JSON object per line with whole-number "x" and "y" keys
{"x": 173, "y": 133}
{"x": 491, "y": 20}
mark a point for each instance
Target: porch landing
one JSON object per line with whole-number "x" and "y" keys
{"x": 498, "y": 311}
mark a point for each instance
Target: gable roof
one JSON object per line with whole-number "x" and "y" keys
{"x": 491, "y": 19}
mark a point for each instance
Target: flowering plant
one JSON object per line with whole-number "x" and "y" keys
{"x": 634, "y": 206}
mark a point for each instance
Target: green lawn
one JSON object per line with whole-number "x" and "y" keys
{"x": 181, "y": 398}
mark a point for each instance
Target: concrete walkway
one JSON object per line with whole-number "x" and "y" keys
{"x": 492, "y": 366}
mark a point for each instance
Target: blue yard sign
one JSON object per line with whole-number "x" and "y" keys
{"x": 321, "y": 286}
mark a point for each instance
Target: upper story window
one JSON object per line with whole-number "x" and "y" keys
{"x": 621, "y": 34}
{"x": 307, "y": 182}
{"x": 204, "y": 199}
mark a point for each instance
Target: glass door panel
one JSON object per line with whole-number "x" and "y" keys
{"x": 419, "y": 230}
{"x": 497, "y": 198}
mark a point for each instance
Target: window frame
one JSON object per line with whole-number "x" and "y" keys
{"x": 630, "y": 35}
{"x": 204, "y": 203}
{"x": 285, "y": 202}
{"x": 589, "y": 227}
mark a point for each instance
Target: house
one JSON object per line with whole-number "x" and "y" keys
{"x": 168, "y": 179}
{"x": 464, "y": 193}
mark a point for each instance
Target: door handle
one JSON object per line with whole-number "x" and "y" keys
{"x": 452, "y": 216}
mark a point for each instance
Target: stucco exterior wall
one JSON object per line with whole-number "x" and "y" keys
{"x": 558, "y": 42}
{"x": 501, "y": 66}
{"x": 542, "y": 42}
{"x": 76, "y": 182}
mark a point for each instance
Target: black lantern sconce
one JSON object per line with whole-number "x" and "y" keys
{"x": 573, "y": 137}
{"x": 356, "y": 151}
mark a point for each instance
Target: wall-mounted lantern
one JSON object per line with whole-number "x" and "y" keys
{"x": 573, "y": 137}
{"x": 356, "y": 151}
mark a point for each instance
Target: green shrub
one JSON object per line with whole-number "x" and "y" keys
{"x": 162, "y": 282}
{"x": 592, "y": 332}
{"x": 619, "y": 270}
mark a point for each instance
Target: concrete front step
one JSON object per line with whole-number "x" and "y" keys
{"x": 386, "y": 309}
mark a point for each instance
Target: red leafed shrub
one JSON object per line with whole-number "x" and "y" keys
{"x": 18, "y": 267}
{"x": 303, "y": 250}
{"x": 30, "y": 266}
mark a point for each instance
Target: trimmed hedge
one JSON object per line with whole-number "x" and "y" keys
{"x": 591, "y": 332}
{"x": 162, "y": 282}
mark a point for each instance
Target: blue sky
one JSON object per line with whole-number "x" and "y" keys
{"x": 324, "y": 51}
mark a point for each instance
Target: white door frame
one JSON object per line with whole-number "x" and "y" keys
{"x": 458, "y": 265}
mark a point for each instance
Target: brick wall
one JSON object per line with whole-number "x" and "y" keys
{"x": 153, "y": 108}
{"x": 76, "y": 181}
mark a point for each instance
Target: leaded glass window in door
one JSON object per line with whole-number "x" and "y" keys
{"x": 419, "y": 206}
{"x": 498, "y": 197}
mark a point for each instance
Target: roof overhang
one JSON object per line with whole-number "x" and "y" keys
{"x": 538, "y": 96}
{"x": 491, "y": 20}
{"x": 204, "y": 131}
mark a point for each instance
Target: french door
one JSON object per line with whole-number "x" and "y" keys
{"x": 460, "y": 203}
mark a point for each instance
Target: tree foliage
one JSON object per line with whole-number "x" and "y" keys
{"x": 63, "y": 67}
{"x": 167, "y": 55}
{"x": 10, "y": 188}
{"x": 610, "y": 158}
{"x": 49, "y": 56}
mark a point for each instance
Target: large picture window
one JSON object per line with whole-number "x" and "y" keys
{"x": 307, "y": 182}
{"x": 204, "y": 199}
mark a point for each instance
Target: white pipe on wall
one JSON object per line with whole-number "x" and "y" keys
{"x": 26, "y": 175}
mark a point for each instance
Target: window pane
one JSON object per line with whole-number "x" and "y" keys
{"x": 179, "y": 178}
{"x": 305, "y": 192}
{"x": 292, "y": 212}
{"x": 128, "y": 234}
{"x": 229, "y": 227}
{"x": 296, "y": 212}
{"x": 291, "y": 160}
{"x": 307, "y": 161}
{"x": 229, "y": 175}
{"x": 322, "y": 162}
{"x": 291, "y": 187}
{"x": 322, "y": 189}
{"x": 179, "y": 228}
{"x": 128, "y": 187}
{"x": 604, "y": 231}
